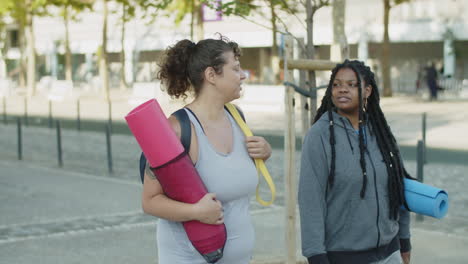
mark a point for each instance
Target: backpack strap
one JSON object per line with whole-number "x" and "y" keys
{"x": 185, "y": 134}
{"x": 238, "y": 110}
{"x": 185, "y": 137}
{"x": 185, "y": 128}
{"x": 259, "y": 163}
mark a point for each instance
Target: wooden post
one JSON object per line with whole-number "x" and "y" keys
{"x": 305, "y": 104}
{"x": 309, "y": 65}
{"x": 289, "y": 159}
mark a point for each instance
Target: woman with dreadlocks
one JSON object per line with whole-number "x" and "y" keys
{"x": 351, "y": 179}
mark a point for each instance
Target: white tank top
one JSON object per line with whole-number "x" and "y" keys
{"x": 233, "y": 178}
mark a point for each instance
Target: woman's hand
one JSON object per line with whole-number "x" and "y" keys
{"x": 208, "y": 210}
{"x": 406, "y": 257}
{"x": 258, "y": 148}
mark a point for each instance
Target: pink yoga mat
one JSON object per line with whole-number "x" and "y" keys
{"x": 176, "y": 174}
{"x": 154, "y": 134}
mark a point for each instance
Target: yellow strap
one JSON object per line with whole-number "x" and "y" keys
{"x": 261, "y": 168}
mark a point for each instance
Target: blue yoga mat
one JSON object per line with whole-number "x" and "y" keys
{"x": 425, "y": 199}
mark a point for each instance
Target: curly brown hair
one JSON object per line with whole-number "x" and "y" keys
{"x": 183, "y": 65}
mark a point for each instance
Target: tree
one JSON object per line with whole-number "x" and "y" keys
{"x": 23, "y": 12}
{"x": 340, "y": 49}
{"x": 70, "y": 11}
{"x": 387, "y": 82}
{"x": 103, "y": 62}
{"x": 182, "y": 8}
{"x": 3, "y": 46}
{"x": 128, "y": 9}
{"x": 311, "y": 8}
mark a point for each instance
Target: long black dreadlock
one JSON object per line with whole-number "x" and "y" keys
{"x": 378, "y": 125}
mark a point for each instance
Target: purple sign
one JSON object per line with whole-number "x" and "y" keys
{"x": 211, "y": 13}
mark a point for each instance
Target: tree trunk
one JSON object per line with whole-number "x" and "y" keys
{"x": 310, "y": 55}
{"x": 387, "y": 84}
{"x": 274, "y": 48}
{"x": 123, "y": 81}
{"x": 22, "y": 60}
{"x": 192, "y": 20}
{"x": 103, "y": 71}
{"x": 68, "y": 58}
{"x": 31, "y": 55}
{"x": 274, "y": 28}
{"x": 340, "y": 49}
{"x": 3, "y": 70}
{"x": 200, "y": 30}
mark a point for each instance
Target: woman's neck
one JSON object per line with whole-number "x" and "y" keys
{"x": 352, "y": 117}
{"x": 207, "y": 107}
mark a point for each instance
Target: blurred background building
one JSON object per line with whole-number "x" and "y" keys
{"x": 420, "y": 31}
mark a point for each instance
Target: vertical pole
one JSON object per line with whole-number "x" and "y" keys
{"x": 78, "y": 117}
{"x": 59, "y": 144}
{"x": 420, "y": 168}
{"x": 20, "y": 139}
{"x": 305, "y": 120}
{"x": 290, "y": 164}
{"x": 26, "y": 111}
{"x": 109, "y": 149}
{"x": 50, "y": 113}
{"x": 4, "y": 111}
{"x": 109, "y": 105}
{"x": 424, "y": 118}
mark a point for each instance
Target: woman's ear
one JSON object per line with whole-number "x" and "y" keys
{"x": 210, "y": 75}
{"x": 367, "y": 91}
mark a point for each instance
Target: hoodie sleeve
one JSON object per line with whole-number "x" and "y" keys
{"x": 404, "y": 232}
{"x": 311, "y": 197}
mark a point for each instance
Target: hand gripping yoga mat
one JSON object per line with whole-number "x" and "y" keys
{"x": 176, "y": 173}
{"x": 425, "y": 199}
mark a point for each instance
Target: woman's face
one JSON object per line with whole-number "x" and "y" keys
{"x": 230, "y": 80}
{"x": 345, "y": 93}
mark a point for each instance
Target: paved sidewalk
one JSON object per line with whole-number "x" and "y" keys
{"x": 57, "y": 216}
{"x": 264, "y": 109}
{"x": 82, "y": 214}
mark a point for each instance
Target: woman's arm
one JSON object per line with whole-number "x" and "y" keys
{"x": 311, "y": 198}
{"x": 155, "y": 202}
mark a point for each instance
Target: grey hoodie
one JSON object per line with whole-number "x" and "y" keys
{"x": 339, "y": 223}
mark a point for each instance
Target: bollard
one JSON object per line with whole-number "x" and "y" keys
{"x": 59, "y": 144}
{"x": 78, "y": 119}
{"x": 20, "y": 140}
{"x": 4, "y": 111}
{"x": 424, "y": 118}
{"x": 109, "y": 148}
{"x": 50, "y": 114}
{"x": 109, "y": 106}
{"x": 420, "y": 169}
{"x": 26, "y": 111}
